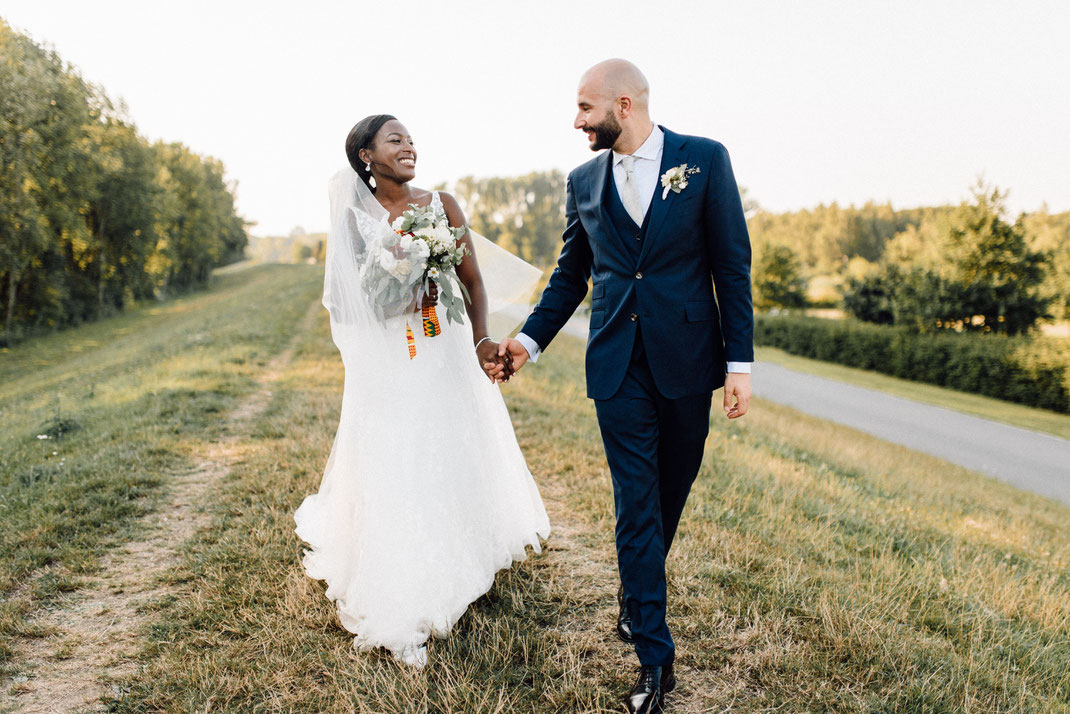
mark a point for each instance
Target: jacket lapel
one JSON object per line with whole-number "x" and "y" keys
{"x": 674, "y": 153}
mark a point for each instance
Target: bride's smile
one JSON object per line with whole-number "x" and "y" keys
{"x": 394, "y": 153}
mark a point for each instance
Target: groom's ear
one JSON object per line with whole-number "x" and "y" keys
{"x": 625, "y": 104}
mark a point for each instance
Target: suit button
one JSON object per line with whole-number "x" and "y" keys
{"x": 638, "y": 276}
{"x": 638, "y": 235}
{"x": 633, "y": 317}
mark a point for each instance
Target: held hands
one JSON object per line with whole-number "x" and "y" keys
{"x": 736, "y": 394}
{"x": 498, "y": 368}
{"x": 515, "y": 351}
{"x": 504, "y": 361}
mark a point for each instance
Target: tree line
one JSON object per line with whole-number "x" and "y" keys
{"x": 963, "y": 268}
{"x": 967, "y": 268}
{"x": 93, "y": 216}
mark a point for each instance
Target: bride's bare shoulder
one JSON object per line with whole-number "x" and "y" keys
{"x": 453, "y": 209}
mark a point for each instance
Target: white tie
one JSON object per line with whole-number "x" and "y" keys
{"x": 629, "y": 194}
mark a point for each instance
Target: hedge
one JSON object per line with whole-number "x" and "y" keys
{"x": 1028, "y": 370}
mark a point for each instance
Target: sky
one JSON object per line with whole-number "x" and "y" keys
{"x": 817, "y": 101}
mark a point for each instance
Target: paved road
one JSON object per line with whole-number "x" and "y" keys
{"x": 1027, "y": 459}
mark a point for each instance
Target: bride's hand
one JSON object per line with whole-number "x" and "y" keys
{"x": 497, "y": 368}
{"x": 431, "y": 298}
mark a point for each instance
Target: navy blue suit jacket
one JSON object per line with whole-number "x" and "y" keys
{"x": 696, "y": 241}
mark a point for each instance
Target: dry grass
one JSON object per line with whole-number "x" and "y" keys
{"x": 817, "y": 569}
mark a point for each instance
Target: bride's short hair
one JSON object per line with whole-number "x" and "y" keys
{"x": 362, "y": 136}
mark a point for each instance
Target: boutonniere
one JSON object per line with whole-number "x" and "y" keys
{"x": 676, "y": 179}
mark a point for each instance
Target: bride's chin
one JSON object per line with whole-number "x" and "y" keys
{"x": 400, "y": 177}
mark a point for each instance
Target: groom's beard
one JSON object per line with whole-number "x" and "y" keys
{"x": 606, "y": 133}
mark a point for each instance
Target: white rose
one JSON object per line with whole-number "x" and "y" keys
{"x": 421, "y": 249}
{"x": 405, "y": 241}
{"x": 403, "y": 268}
{"x": 425, "y": 232}
{"x": 443, "y": 236}
{"x": 398, "y": 222}
{"x": 387, "y": 260}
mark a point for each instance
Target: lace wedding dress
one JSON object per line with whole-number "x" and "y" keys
{"x": 425, "y": 495}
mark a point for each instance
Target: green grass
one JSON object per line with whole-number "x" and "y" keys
{"x": 124, "y": 402}
{"x": 817, "y": 569}
{"x": 1007, "y": 412}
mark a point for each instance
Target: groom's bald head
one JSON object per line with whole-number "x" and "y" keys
{"x": 617, "y": 78}
{"x": 613, "y": 100}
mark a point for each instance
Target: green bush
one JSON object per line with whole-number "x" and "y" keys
{"x": 1028, "y": 370}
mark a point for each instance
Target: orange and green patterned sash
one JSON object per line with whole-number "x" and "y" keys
{"x": 432, "y": 328}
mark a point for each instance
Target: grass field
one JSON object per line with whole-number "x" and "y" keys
{"x": 975, "y": 404}
{"x": 817, "y": 568}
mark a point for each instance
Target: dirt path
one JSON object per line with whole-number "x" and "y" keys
{"x": 95, "y": 630}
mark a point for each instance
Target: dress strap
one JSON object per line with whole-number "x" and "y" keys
{"x": 436, "y": 203}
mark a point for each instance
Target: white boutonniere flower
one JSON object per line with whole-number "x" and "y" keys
{"x": 675, "y": 179}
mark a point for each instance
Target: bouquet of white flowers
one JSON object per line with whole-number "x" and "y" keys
{"x": 406, "y": 256}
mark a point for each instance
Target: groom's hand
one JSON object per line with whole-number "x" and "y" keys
{"x": 515, "y": 351}
{"x": 736, "y": 394}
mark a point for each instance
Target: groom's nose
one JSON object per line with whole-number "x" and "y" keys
{"x": 579, "y": 123}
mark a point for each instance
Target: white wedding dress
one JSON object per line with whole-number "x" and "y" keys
{"x": 426, "y": 494}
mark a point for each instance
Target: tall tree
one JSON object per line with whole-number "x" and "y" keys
{"x": 993, "y": 258}
{"x": 523, "y": 214}
{"x": 91, "y": 215}
{"x": 777, "y": 280}
{"x": 977, "y": 273}
{"x": 24, "y": 111}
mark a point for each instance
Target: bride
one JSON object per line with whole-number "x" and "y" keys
{"x": 425, "y": 495}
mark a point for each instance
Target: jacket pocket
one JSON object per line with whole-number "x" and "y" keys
{"x": 701, "y": 310}
{"x": 598, "y": 318}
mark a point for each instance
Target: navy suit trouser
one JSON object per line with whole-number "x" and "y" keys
{"x": 654, "y": 448}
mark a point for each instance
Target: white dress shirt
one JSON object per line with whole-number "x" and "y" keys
{"x": 647, "y": 174}
{"x": 647, "y": 170}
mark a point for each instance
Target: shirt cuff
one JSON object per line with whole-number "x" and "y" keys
{"x": 530, "y": 345}
{"x": 741, "y": 367}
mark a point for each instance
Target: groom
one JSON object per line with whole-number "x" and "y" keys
{"x": 657, "y": 222}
